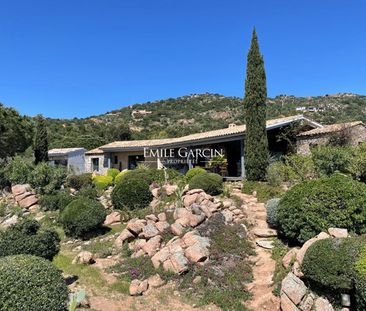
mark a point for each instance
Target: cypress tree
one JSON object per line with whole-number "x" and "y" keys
{"x": 41, "y": 141}
{"x": 256, "y": 142}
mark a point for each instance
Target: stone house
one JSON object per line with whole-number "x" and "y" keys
{"x": 351, "y": 133}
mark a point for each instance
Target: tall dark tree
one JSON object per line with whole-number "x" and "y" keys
{"x": 256, "y": 142}
{"x": 41, "y": 141}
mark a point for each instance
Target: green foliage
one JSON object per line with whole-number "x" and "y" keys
{"x": 15, "y": 132}
{"x": 272, "y": 206}
{"x": 360, "y": 280}
{"x": 132, "y": 192}
{"x": 357, "y": 166}
{"x": 102, "y": 182}
{"x": 328, "y": 159}
{"x": 18, "y": 170}
{"x": 194, "y": 171}
{"x": 118, "y": 178}
{"x": 278, "y": 252}
{"x": 151, "y": 175}
{"x": 299, "y": 168}
{"x": 329, "y": 263}
{"x": 87, "y": 192}
{"x": 47, "y": 178}
{"x": 313, "y": 206}
{"x": 264, "y": 191}
{"x": 211, "y": 183}
{"x": 256, "y": 143}
{"x": 26, "y": 238}
{"x": 56, "y": 201}
{"x": 40, "y": 141}
{"x": 31, "y": 283}
{"x": 4, "y": 181}
{"x": 112, "y": 172}
{"x": 79, "y": 181}
{"x": 276, "y": 173}
{"x": 82, "y": 216}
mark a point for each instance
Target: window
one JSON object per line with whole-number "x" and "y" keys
{"x": 95, "y": 164}
{"x": 134, "y": 160}
{"x": 115, "y": 159}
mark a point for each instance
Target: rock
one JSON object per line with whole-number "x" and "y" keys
{"x": 287, "y": 304}
{"x": 138, "y": 254}
{"x": 338, "y": 232}
{"x": 307, "y": 302}
{"x": 125, "y": 235}
{"x": 177, "y": 229}
{"x": 136, "y": 225}
{"x": 162, "y": 217}
{"x": 10, "y": 221}
{"x": 181, "y": 213}
{"x": 151, "y": 217}
{"x": 34, "y": 209}
{"x": 134, "y": 288}
{"x": 154, "y": 204}
{"x": 22, "y": 196}
{"x": 189, "y": 199}
{"x": 227, "y": 203}
{"x": 84, "y": 257}
{"x": 297, "y": 270}
{"x": 196, "y": 253}
{"x": 294, "y": 288}
{"x": 143, "y": 286}
{"x": 228, "y": 216}
{"x": 236, "y": 211}
{"x": 19, "y": 189}
{"x": 136, "y": 245}
{"x": 162, "y": 226}
{"x": 184, "y": 221}
{"x": 264, "y": 233}
{"x": 155, "y": 281}
{"x": 149, "y": 231}
{"x": 301, "y": 253}
{"x": 170, "y": 189}
{"x": 176, "y": 263}
{"x": 194, "y": 191}
{"x": 155, "y": 192}
{"x": 265, "y": 244}
{"x": 197, "y": 279}
{"x": 152, "y": 246}
{"x": 160, "y": 257}
{"x": 205, "y": 209}
{"x": 289, "y": 257}
{"x": 195, "y": 209}
{"x": 113, "y": 218}
{"x": 322, "y": 304}
{"x": 28, "y": 201}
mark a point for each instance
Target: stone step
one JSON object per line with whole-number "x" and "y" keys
{"x": 264, "y": 233}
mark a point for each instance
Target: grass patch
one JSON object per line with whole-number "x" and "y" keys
{"x": 265, "y": 192}
{"x": 278, "y": 252}
{"x": 101, "y": 249}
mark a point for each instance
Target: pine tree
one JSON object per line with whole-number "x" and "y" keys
{"x": 41, "y": 141}
{"x": 256, "y": 142}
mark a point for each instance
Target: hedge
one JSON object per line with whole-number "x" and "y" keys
{"x": 79, "y": 181}
{"x": 195, "y": 171}
{"x": 56, "y": 201}
{"x": 31, "y": 283}
{"x": 102, "y": 182}
{"x": 211, "y": 183}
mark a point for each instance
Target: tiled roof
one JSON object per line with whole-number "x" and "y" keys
{"x": 232, "y": 130}
{"x": 64, "y": 151}
{"x": 95, "y": 151}
{"x": 330, "y": 128}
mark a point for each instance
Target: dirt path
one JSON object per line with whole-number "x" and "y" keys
{"x": 264, "y": 265}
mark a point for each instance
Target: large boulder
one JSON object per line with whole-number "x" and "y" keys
{"x": 113, "y": 218}
{"x": 84, "y": 257}
{"x": 152, "y": 246}
{"x": 149, "y": 231}
{"x": 125, "y": 235}
{"x": 19, "y": 189}
{"x": 136, "y": 225}
{"x": 28, "y": 201}
{"x": 294, "y": 288}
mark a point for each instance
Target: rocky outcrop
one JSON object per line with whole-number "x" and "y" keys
{"x": 84, "y": 257}
{"x": 24, "y": 196}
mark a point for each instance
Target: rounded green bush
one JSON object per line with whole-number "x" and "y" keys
{"x": 26, "y": 238}
{"x": 313, "y": 206}
{"x": 87, "y": 192}
{"x": 360, "y": 280}
{"x": 82, "y": 216}
{"x": 211, "y": 183}
{"x": 56, "y": 201}
{"x": 329, "y": 263}
{"x": 47, "y": 178}
{"x": 79, "y": 181}
{"x": 31, "y": 283}
{"x": 132, "y": 193}
{"x": 195, "y": 171}
{"x": 150, "y": 175}
{"x": 113, "y": 172}
{"x": 118, "y": 178}
{"x": 102, "y": 182}
{"x": 272, "y": 206}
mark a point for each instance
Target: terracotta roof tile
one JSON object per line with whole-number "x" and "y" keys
{"x": 330, "y": 128}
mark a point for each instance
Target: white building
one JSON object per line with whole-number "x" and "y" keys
{"x": 72, "y": 158}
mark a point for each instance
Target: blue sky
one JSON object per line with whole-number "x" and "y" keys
{"x": 86, "y": 57}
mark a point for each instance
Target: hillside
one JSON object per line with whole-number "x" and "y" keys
{"x": 194, "y": 113}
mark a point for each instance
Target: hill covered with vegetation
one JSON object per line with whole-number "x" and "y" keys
{"x": 187, "y": 114}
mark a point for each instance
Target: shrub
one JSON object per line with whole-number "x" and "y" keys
{"x": 47, "y": 178}
{"x": 31, "y": 283}
{"x": 56, "y": 201}
{"x": 211, "y": 183}
{"x": 151, "y": 175}
{"x": 272, "y": 206}
{"x": 299, "y": 168}
{"x": 4, "y": 181}
{"x": 264, "y": 191}
{"x": 357, "y": 166}
{"x": 328, "y": 160}
{"x": 82, "y": 216}
{"x": 360, "y": 280}
{"x": 118, "y": 178}
{"x": 314, "y": 206}
{"x": 112, "y": 172}
{"x": 195, "y": 171}
{"x": 132, "y": 193}
{"x": 87, "y": 192}
{"x": 18, "y": 170}
{"x": 102, "y": 182}
{"x": 26, "y": 238}
{"x": 276, "y": 173}
{"x": 79, "y": 181}
{"x": 329, "y": 263}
